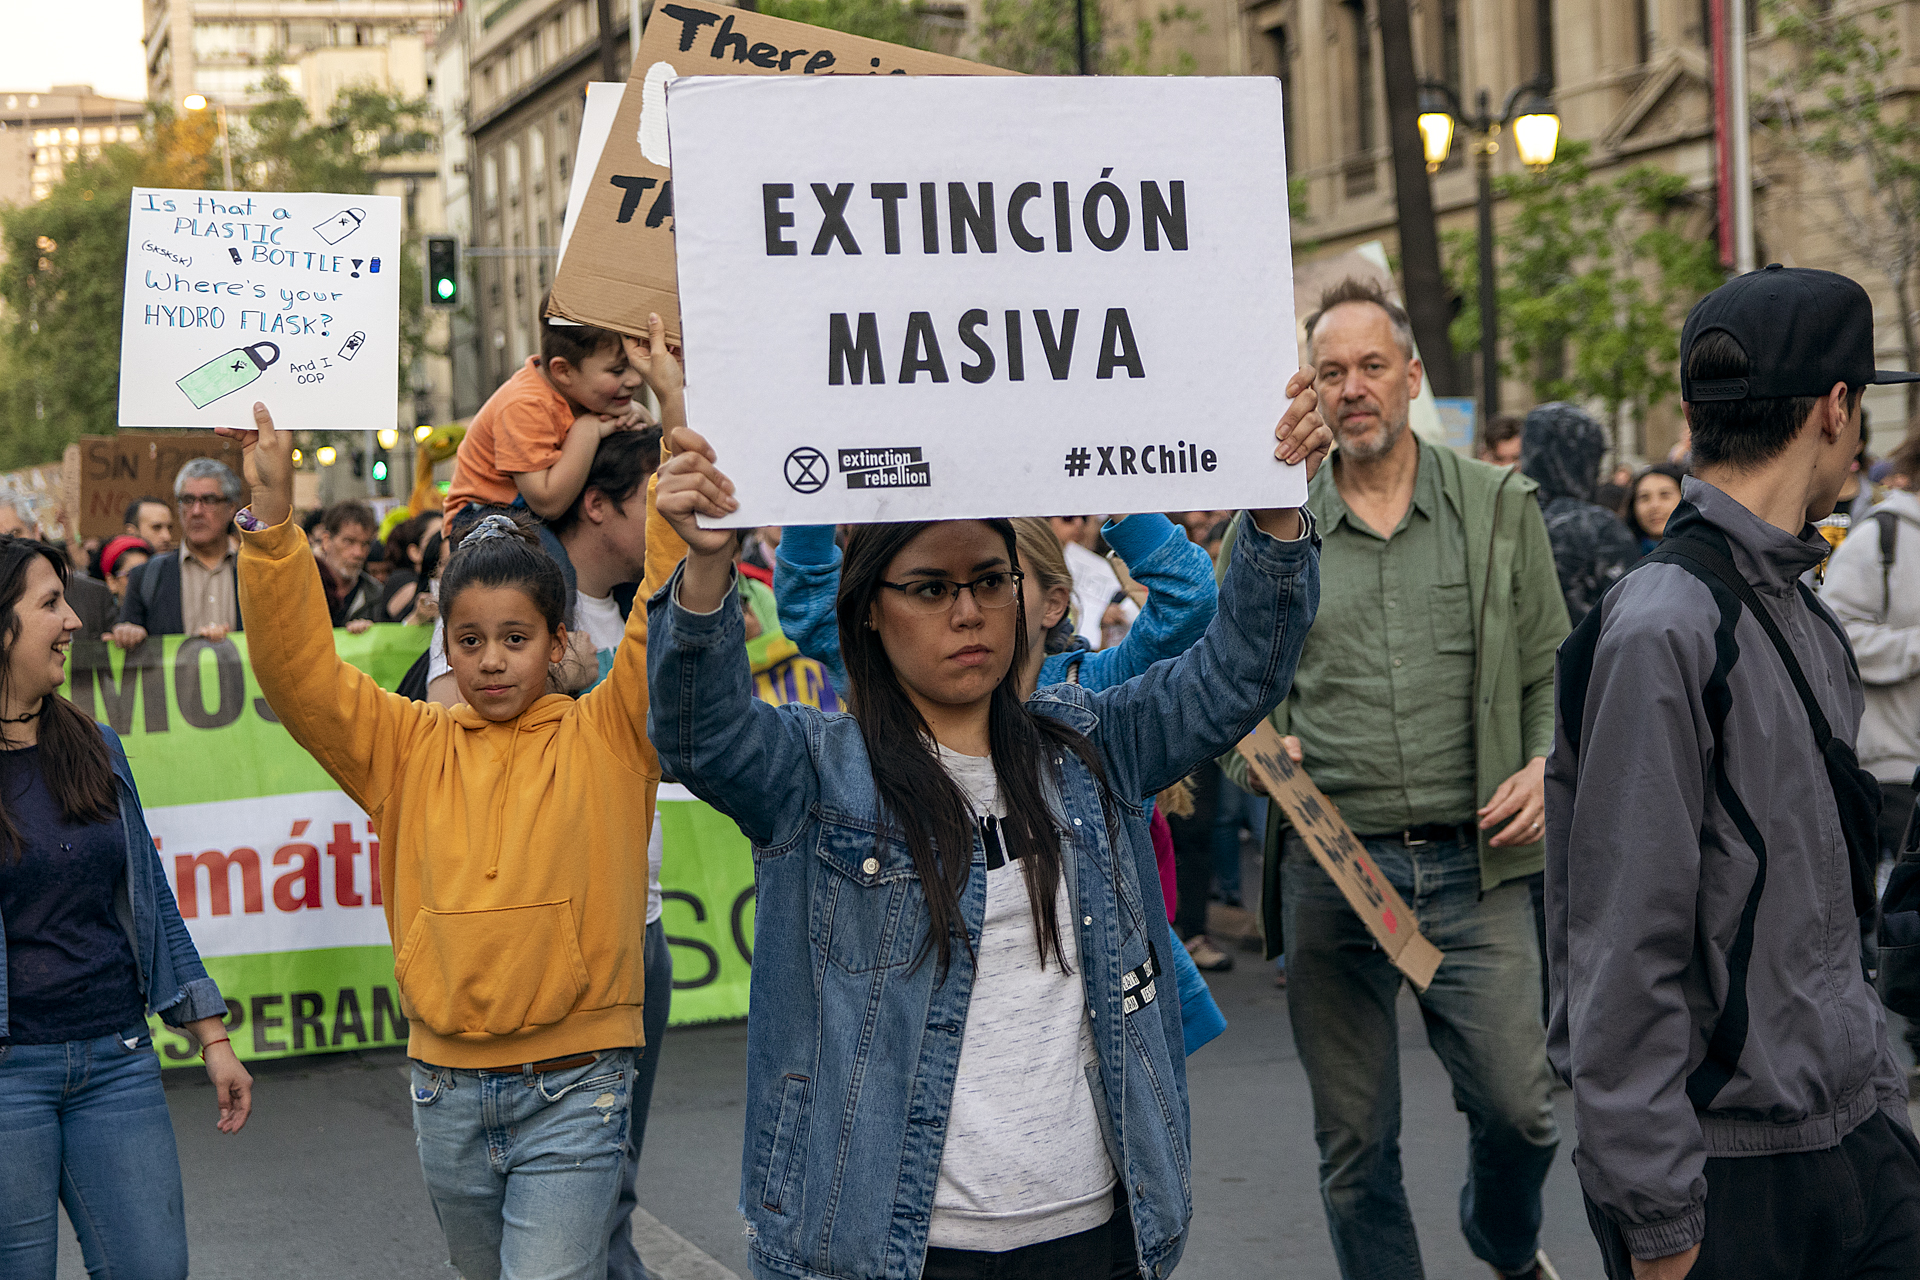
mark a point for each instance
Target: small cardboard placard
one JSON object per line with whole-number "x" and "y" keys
{"x": 292, "y": 298}
{"x": 1342, "y": 857}
{"x": 903, "y": 301}
{"x": 110, "y": 472}
{"x": 619, "y": 263}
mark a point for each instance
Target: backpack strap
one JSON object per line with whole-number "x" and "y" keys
{"x": 1889, "y": 542}
{"x": 1717, "y": 563}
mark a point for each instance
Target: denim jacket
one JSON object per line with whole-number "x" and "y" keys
{"x": 852, "y": 1048}
{"x": 172, "y": 980}
{"x": 1178, "y": 576}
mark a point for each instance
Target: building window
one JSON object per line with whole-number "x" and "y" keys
{"x": 513, "y": 173}
{"x": 490, "y": 183}
{"x": 537, "y": 158}
{"x": 1450, "y": 44}
{"x": 1361, "y": 39}
{"x": 1282, "y": 50}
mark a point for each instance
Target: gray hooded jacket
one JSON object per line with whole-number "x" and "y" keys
{"x": 1648, "y": 876}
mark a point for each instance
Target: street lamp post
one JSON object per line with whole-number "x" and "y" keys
{"x": 1536, "y": 134}
{"x": 198, "y": 102}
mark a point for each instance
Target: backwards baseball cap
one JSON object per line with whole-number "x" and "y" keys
{"x": 1803, "y": 330}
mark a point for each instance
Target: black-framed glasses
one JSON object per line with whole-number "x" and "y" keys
{"x": 204, "y": 500}
{"x": 994, "y": 590}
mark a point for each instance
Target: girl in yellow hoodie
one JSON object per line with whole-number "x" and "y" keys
{"x": 514, "y": 832}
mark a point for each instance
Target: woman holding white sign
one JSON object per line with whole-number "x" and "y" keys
{"x": 92, "y": 942}
{"x": 957, "y": 1067}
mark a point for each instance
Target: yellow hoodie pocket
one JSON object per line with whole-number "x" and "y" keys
{"x": 495, "y": 971}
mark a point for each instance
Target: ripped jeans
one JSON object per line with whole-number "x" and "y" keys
{"x": 524, "y": 1168}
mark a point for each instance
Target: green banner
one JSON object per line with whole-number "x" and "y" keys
{"x": 275, "y": 870}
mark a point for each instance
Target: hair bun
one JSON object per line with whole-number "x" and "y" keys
{"x": 493, "y": 526}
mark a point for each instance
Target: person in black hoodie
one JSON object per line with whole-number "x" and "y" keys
{"x": 1560, "y": 449}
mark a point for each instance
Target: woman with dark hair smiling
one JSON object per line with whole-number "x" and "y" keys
{"x": 93, "y": 942}
{"x": 960, "y": 1062}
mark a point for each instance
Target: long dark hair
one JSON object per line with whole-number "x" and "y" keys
{"x": 916, "y": 796}
{"x": 73, "y": 755}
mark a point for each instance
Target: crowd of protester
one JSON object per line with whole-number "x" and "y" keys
{"x": 1062, "y": 696}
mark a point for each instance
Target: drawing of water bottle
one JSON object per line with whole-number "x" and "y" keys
{"x": 227, "y": 373}
{"x": 341, "y": 225}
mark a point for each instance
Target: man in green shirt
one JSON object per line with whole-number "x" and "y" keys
{"x": 1423, "y": 707}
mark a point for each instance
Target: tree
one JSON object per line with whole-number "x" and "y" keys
{"x": 889, "y": 20}
{"x": 1840, "y": 103}
{"x": 64, "y": 273}
{"x": 1596, "y": 275}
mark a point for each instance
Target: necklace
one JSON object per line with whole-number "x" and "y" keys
{"x": 31, "y": 715}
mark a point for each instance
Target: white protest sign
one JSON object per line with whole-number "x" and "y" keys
{"x": 232, "y": 297}
{"x": 939, "y": 297}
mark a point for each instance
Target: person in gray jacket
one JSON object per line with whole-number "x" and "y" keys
{"x": 1738, "y": 1108}
{"x": 1873, "y": 584}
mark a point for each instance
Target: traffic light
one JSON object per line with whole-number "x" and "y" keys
{"x": 443, "y": 271}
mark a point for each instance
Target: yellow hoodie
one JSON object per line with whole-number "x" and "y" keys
{"x": 513, "y": 861}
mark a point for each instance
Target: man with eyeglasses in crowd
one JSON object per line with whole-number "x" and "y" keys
{"x": 194, "y": 589}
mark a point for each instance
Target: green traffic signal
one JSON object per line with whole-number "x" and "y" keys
{"x": 443, "y": 271}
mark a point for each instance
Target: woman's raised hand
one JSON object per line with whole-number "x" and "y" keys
{"x": 267, "y": 461}
{"x": 690, "y": 485}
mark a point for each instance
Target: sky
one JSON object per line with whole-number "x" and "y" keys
{"x": 93, "y": 42}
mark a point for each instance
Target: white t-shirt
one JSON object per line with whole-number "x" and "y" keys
{"x": 1025, "y": 1160}
{"x": 1094, "y": 583}
{"x": 600, "y": 618}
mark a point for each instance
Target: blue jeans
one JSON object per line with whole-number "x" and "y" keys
{"x": 623, "y": 1260}
{"x": 85, "y": 1124}
{"x": 1483, "y": 1019}
{"x": 524, "y": 1168}
{"x": 1234, "y": 810}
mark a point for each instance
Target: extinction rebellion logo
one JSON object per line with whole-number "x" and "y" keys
{"x": 884, "y": 469}
{"x": 806, "y": 470}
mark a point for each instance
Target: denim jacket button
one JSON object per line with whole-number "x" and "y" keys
{"x": 1076, "y": 822}
{"x": 871, "y": 866}
{"x": 1086, "y": 920}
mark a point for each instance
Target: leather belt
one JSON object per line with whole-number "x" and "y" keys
{"x": 549, "y": 1064}
{"x": 1427, "y": 833}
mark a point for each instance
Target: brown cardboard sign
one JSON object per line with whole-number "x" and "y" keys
{"x": 619, "y": 260}
{"x": 114, "y": 470}
{"x": 1342, "y": 857}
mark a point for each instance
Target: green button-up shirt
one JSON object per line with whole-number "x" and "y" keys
{"x": 1383, "y": 699}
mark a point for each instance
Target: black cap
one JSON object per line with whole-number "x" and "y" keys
{"x": 1803, "y": 330}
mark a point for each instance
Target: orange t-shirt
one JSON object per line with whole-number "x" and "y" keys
{"x": 520, "y": 428}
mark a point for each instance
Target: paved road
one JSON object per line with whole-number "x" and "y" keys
{"x": 324, "y": 1184}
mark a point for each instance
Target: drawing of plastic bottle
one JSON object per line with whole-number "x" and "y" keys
{"x": 227, "y": 373}
{"x": 351, "y": 347}
{"x": 340, "y": 225}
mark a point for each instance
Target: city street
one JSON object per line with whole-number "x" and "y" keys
{"x": 324, "y": 1184}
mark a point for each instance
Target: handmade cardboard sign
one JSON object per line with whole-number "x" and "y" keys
{"x": 904, "y": 300}
{"x": 112, "y": 471}
{"x": 620, "y": 266}
{"x": 1342, "y": 857}
{"x": 288, "y": 297}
